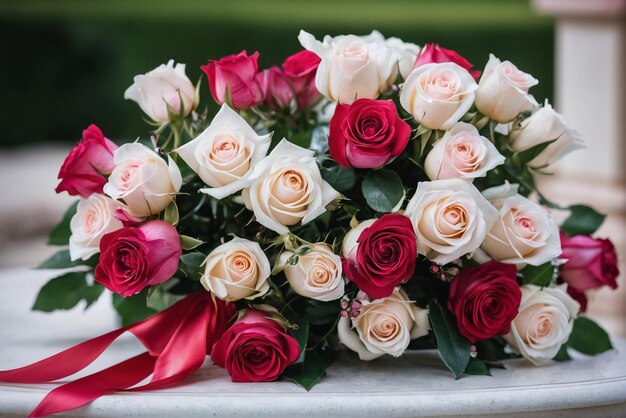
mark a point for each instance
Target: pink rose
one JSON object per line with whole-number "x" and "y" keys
{"x": 300, "y": 69}
{"x": 255, "y": 349}
{"x": 135, "y": 257}
{"x": 434, "y": 53}
{"x": 234, "y": 78}
{"x": 82, "y": 172}
{"x": 367, "y": 134}
{"x": 277, "y": 91}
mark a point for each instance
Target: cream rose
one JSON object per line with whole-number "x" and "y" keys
{"x": 143, "y": 180}
{"x": 438, "y": 95}
{"x": 286, "y": 188}
{"x": 167, "y": 86}
{"x": 462, "y": 153}
{"x": 224, "y": 154}
{"x": 451, "y": 218}
{"x": 352, "y": 67}
{"x": 405, "y": 54}
{"x": 317, "y": 274}
{"x": 524, "y": 232}
{"x": 503, "y": 91}
{"x": 384, "y": 326}
{"x": 95, "y": 216}
{"x": 544, "y": 323}
{"x": 542, "y": 126}
{"x": 350, "y": 244}
{"x": 236, "y": 270}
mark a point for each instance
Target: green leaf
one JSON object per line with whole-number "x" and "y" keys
{"x": 562, "y": 355}
{"x": 60, "y": 234}
{"x": 133, "y": 308}
{"x": 301, "y": 334}
{"x": 382, "y": 190}
{"x": 583, "y": 220}
{"x": 171, "y": 214}
{"x": 453, "y": 348}
{"x": 189, "y": 243}
{"x": 307, "y": 373}
{"x": 492, "y": 350}
{"x": 340, "y": 178}
{"x": 538, "y": 275}
{"x": 192, "y": 263}
{"x": 60, "y": 260}
{"x": 476, "y": 367}
{"x": 588, "y": 337}
{"x": 65, "y": 291}
{"x": 531, "y": 153}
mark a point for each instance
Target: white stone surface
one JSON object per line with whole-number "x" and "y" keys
{"x": 415, "y": 385}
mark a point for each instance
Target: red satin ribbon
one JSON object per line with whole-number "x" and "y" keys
{"x": 176, "y": 339}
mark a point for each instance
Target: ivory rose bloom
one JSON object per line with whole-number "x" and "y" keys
{"x": 167, "y": 86}
{"x": 524, "y": 231}
{"x": 450, "y": 217}
{"x": 143, "y": 180}
{"x": 317, "y": 274}
{"x": 384, "y": 326}
{"x": 352, "y": 67}
{"x": 462, "y": 153}
{"x": 545, "y": 125}
{"x": 405, "y": 54}
{"x": 438, "y": 94}
{"x": 225, "y": 153}
{"x": 503, "y": 91}
{"x": 236, "y": 270}
{"x": 544, "y": 323}
{"x": 95, "y": 217}
{"x": 286, "y": 188}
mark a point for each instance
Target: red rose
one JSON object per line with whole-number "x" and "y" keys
{"x": 300, "y": 69}
{"x": 485, "y": 300}
{"x": 380, "y": 254}
{"x": 235, "y": 77}
{"x": 135, "y": 257}
{"x": 367, "y": 134}
{"x": 277, "y": 91}
{"x": 255, "y": 349}
{"x": 82, "y": 172}
{"x": 433, "y": 53}
{"x": 591, "y": 263}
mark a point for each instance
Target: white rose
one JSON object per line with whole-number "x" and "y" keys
{"x": 405, "y": 54}
{"x": 524, "y": 231}
{"x": 450, "y": 217}
{"x": 143, "y": 180}
{"x": 95, "y": 217}
{"x": 286, "y": 188}
{"x": 503, "y": 91}
{"x": 544, "y": 323}
{"x": 237, "y": 270}
{"x": 165, "y": 86}
{"x": 317, "y": 274}
{"x": 384, "y": 326}
{"x": 225, "y": 153}
{"x": 352, "y": 67}
{"x": 350, "y": 244}
{"x": 542, "y": 126}
{"x": 461, "y": 153}
{"x": 438, "y": 95}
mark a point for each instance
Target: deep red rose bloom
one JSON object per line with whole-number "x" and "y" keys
{"x": 485, "y": 300}
{"x": 235, "y": 77}
{"x": 385, "y": 256}
{"x": 591, "y": 263}
{"x": 367, "y": 134}
{"x": 300, "y": 69}
{"x": 82, "y": 172}
{"x": 255, "y": 349}
{"x": 433, "y": 53}
{"x": 132, "y": 258}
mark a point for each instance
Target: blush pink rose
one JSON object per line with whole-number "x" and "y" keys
{"x": 255, "y": 349}
{"x": 300, "y": 69}
{"x": 434, "y": 53}
{"x": 82, "y": 172}
{"x": 234, "y": 78}
{"x": 132, "y": 258}
{"x": 277, "y": 91}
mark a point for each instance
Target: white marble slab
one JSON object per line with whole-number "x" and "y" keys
{"x": 415, "y": 385}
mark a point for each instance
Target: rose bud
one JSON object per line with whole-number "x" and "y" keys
{"x": 433, "y": 53}
{"x": 233, "y": 79}
{"x": 255, "y": 348}
{"x": 163, "y": 92}
{"x": 379, "y": 254}
{"x": 83, "y": 171}
{"x": 367, "y": 134}
{"x": 485, "y": 299}
{"x": 277, "y": 91}
{"x": 300, "y": 69}
{"x": 132, "y": 258}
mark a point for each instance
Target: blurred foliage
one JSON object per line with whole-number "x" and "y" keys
{"x": 68, "y": 62}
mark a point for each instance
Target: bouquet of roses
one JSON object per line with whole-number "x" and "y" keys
{"x": 368, "y": 193}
